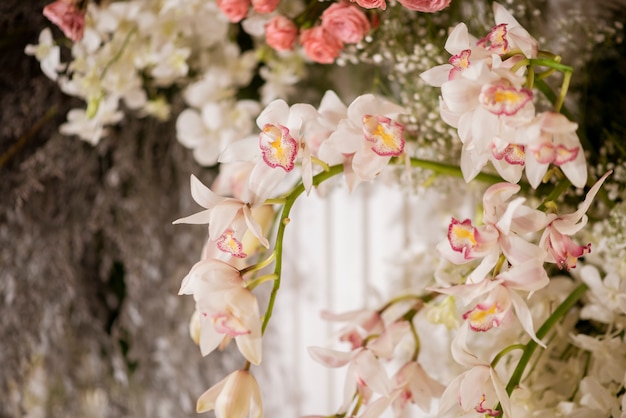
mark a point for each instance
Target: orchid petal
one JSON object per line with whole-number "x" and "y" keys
{"x": 523, "y": 315}
{"x": 330, "y": 358}
{"x": 206, "y": 401}
{"x": 368, "y": 368}
{"x": 204, "y": 196}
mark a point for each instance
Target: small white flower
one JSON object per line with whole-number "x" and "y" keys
{"x": 47, "y": 53}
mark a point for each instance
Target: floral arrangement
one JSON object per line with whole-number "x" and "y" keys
{"x": 531, "y": 287}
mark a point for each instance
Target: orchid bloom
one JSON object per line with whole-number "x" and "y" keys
{"x": 556, "y": 238}
{"x": 228, "y": 218}
{"x": 361, "y": 323}
{"x": 365, "y": 373}
{"x": 411, "y": 384}
{"x": 551, "y": 139}
{"x": 317, "y": 126}
{"x": 508, "y": 35}
{"x": 504, "y": 223}
{"x": 227, "y": 308}
{"x": 368, "y": 137}
{"x": 478, "y": 389}
{"x": 274, "y": 151}
{"x": 236, "y": 396}
{"x": 463, "y": 50}
{"x": 500, "y": 295}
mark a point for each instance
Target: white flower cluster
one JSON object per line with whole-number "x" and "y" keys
{"x": 133, "y": 53}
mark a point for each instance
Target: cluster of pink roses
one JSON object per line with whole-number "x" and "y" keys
{"x": 341, "y": 23}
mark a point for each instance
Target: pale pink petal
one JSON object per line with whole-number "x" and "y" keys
{"x": 250, "y": 346}
{"x": 203, "y": 217}
{"x": 206, "y": 401}
{"x": 368, "y": 368}
{"x": 222, "y": 217}
{"x": 204, "y": 196}
{"x": 501, "y": 393}
{"x": 385, "y": 345}
{"x": 375, "y": 409}
{"x": 524, "y": 316}
{"x": 458, "y": 40}
{"x": 209, "y": 337}
{"x": 254, "y": 227}
{"x": 437, "y": 75}
{"x": 277, "y": 112}
{"x": 330, "y": 358}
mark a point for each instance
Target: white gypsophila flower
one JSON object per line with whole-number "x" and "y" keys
{"x": 47, "y": 53}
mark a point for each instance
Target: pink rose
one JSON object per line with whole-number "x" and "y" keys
{"x": 68, "y": 16}
{"x": 346, "y": 22}
{"x": 371, "y": 4}
{"x": 235, "y": 10}
{"x": 265, "y": 6}
{"x": 428, "y": 6}
{"x": 281, "y": 33}
{"x": 320, "y": 45}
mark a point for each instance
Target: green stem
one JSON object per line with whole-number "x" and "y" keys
{"x": 567, "y": 76}
{"x": 290, "y": 199}
{"x": 118, "y": 54}
{"x": 258, "y": 266}
{"x": 448, "y": 169}
{"x": 530, "y": 348}
{"x": 261, "y": 279}
{"x": 550, "y": 63}
{"x": 504, "y": 352}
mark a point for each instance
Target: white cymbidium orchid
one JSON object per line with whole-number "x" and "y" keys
{"x": 227, "y": 309}
{"x": 479, "y": 389}
{"x": 411, "y": 384}
{"x": 556, "y": 238}
{"x": 367, "y": 138}
{"x": 505, "y": 223}
{"x": 365, "y": 372}
{"x": 236, "y": 396}
{"x": 551, "y": 139}
{"x": 225, "y": 215}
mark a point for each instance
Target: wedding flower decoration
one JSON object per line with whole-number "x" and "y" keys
{"x": 516, "y": 293}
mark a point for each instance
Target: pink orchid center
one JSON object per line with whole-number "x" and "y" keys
{"x": 278, "y": 147}
{"x": 513, "y": 154}
{"x": 460, "y": 62}
{"x": 483, "y": 317}
{"x": 504, "y": 99}
{"x": 462, "y": 236}
{"x": 386, "y": 134}
{"x": 565, "y": 251}
{"x": 228, "y": 243}
{"x": 496, "y": 40}
{"x": 482, "y": 409}
{"x": 226, "y": 323}
{"x": 547, "y": 153}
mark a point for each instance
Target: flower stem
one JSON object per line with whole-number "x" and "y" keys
{"x": 556, "y": 316}
{"x": 290, "y": 199}
{"x": 448, "y": 169}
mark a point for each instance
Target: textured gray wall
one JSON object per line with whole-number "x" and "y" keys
{"x": 90, "y": 265}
